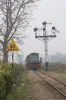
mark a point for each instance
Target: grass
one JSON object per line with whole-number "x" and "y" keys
{"x": 58, "y": 70}
{"x": 19, "y": 91}
{"x": 60, "y": 75}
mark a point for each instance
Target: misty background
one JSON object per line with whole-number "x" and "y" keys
{"x": 53, "y": 11}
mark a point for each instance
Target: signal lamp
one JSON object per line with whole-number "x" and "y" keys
{"x": 35, "y": 29}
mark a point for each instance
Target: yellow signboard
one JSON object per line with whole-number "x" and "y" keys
{"x": 12, "y": 46}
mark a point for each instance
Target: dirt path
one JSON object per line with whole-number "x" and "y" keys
{"x": 39, "y": 90}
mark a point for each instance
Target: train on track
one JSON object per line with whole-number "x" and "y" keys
{"x": 32, "y": 61}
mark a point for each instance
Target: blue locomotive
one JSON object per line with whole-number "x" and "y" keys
{"x": 32, "y": 61}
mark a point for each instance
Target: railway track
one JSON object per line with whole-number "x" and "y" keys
{"x": 57, "y": 84}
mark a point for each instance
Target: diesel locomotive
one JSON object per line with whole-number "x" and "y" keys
{"x": 32, "y": 61}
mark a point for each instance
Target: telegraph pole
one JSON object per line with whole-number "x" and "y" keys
{"x": 45, "y": 38}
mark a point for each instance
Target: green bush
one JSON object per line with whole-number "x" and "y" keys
{"x": 5, "y": 80}
{"x": 8, "y": 76}
{"x": 2, "y": 87}
{"x": 8, "y": 80}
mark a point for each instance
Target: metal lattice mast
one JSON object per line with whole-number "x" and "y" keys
{"x": 45, "y": 38}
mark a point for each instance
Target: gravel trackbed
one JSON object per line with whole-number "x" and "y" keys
{"x": 39, "y": 89}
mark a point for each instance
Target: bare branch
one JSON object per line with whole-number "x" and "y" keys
{"x": 1, "y": 41}
{"x": 15, "y": 16}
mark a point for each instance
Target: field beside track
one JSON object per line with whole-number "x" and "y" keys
{"x": 20, "y": 88}
{"x": 60, "y": 75}
{"x": 8, "y": 77}
{"x": 27, "y": 83}
{"x": 57, "y": 69}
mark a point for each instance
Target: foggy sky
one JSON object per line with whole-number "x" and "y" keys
{"x": 53, "y": 11}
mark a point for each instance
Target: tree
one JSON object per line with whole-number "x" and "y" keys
{"x": 14, "y": 16}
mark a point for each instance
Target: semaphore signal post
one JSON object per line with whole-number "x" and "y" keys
{"x": 45, "y": 37}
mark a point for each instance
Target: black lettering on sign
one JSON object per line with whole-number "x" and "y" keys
{"x": 12, "y": 46}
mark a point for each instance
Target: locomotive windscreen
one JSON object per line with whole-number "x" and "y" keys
{"x": 34, "y": 57}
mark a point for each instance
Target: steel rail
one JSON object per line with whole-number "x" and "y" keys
{"x": 52, "y": 86}
{"x": 54, "y": 77}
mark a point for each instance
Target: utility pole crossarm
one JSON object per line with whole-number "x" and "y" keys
{"x": 45, "y": 36}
